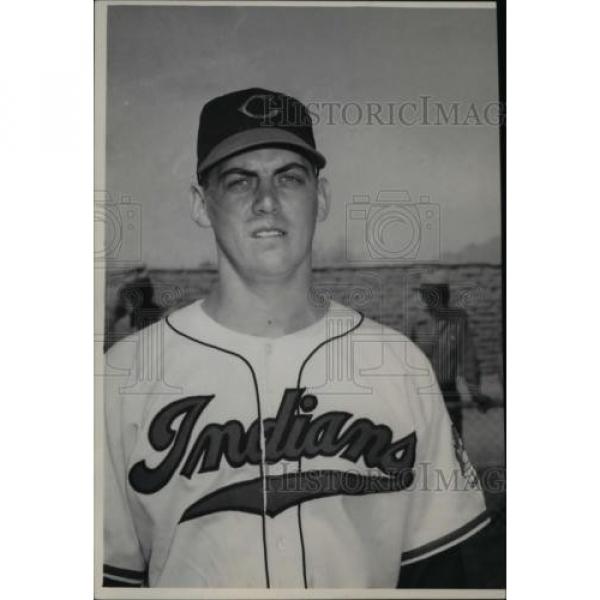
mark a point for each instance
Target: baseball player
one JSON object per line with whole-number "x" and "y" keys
{"x": 260, "y": 437}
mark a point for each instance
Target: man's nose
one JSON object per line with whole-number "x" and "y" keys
{"x": 266, "y": 200}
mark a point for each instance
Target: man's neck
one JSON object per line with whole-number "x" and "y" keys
{"x": 263, "y": 308}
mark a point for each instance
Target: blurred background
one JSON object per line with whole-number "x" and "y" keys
{"x": 164, "y": 63}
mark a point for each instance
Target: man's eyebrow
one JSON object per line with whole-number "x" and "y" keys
{"x": 292, "y": 165}
{"x": 235, "y": 171}
{"x": 249, "y": 173}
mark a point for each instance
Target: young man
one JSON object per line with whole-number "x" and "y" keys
{"x": 245, "y": 461}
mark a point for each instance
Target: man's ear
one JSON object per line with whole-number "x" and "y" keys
{"x": 198, "y": 206}
{"x": 323, "y": 198}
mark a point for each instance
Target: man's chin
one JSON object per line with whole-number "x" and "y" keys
{"x": 273, "y": 269}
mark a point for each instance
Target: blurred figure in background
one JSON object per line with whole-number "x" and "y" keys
{"x": 135, "y": 307}
{"x": 442, "y": 333}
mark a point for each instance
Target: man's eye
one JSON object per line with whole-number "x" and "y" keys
{"x": 239, "y": 184}
{"x": 291, "y": 179}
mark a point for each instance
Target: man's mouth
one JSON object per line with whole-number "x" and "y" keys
{"x": 270, "y": 232}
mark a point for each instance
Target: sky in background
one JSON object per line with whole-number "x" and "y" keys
{"x": 164, "y": 63}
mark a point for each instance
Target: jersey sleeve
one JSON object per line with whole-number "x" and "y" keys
{"x": 447, "y": 503}
{"x": 124, "y": 564}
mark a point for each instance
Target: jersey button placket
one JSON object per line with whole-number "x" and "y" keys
{"x": 268, "y": 362}
{"x": 285, "y": 558}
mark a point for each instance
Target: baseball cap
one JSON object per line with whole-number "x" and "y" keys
{"x": 253, "y": 118}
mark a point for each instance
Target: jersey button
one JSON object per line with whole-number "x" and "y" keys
{"x": 280, "y": 544}
{"x": 268, "y": 349}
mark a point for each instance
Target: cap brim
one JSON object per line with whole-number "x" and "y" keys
{"x": 261, "y": 136}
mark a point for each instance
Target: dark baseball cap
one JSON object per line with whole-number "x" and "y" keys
{"x": 252, "y": 118}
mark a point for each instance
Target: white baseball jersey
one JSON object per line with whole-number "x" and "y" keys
{"x": 321, "y": 459}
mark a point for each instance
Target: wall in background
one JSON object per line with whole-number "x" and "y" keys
{"x": 387, "y": 294}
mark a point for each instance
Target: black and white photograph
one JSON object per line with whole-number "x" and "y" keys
{"x": 300, "y": 299}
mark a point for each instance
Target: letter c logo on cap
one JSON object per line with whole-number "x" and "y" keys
{"x": 258, "y": 107}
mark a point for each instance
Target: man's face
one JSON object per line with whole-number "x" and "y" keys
{"x": 263, "y": 206}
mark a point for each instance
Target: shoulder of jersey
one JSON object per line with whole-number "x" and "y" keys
{"x": 186, "y": 318}
{"x": 398, "y": 343}
{"x": 374, "y": 328}
{"x": 129, "y": 344}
